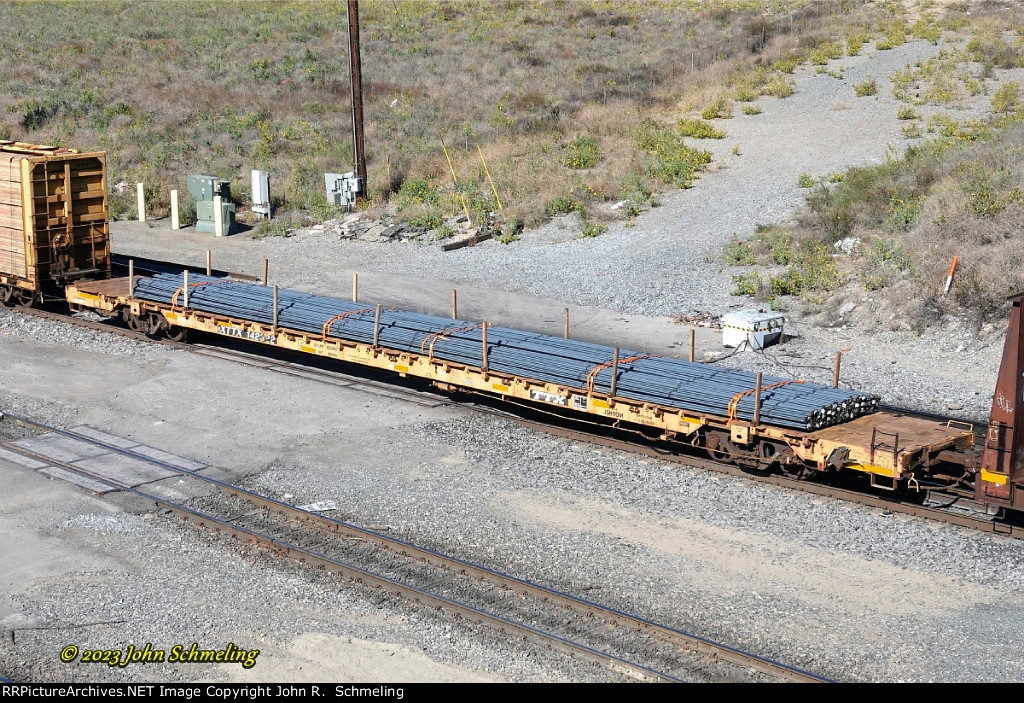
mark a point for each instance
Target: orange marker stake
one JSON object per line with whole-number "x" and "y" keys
{"x": 949, "y": 278}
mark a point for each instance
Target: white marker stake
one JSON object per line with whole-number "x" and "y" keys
{"x": 174, "y": 210}
{"x": 142, "y": 203}
{"x": 218, "y": 217}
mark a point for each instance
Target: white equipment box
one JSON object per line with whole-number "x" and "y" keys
{"x": 752, "y": 328}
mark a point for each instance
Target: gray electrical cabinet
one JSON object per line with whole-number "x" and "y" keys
{"x": 203, "y": 189}
{"x": 261, "y": 193}
{"x": 342, "y": 189}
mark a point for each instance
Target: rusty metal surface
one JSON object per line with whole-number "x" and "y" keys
{"x": 12, "y": 223}
{"x": 53, "y": 214}
{"x": 1002, "y": 459}
{"x": 915, "y": 433}
{"x": 113, "y": 287}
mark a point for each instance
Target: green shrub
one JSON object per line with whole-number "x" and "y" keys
{"x": 698, "y": 129}
{"x": 719, "y": 109}
{"x": 1006, "y": 98}
{"x": 982, "y": 188}
{"x": 787, "y": 65}
{"x": 817, "y": 269}
{"x": 895, "y": 35}
{"x": 903, "y": 212}
{"x": 121, "y": 204}
{"x": 866, "y": 87}
{"x": 745, "y": 94}
{"x": 789, "y": 283}
{"x": 779, "y": 243}
{"x": 907, "y": 113}
{"x": 923, "y": 29}
{"x": 856, "y": 42}
{"x": 825, "y": 52}
{"x": 810, "y": 270}
{"x": 581, "y": 152}
{"x": 902, "y": 80}
{"x": 751, "y": 109}
{"x": 990, "y": 49}
{"x": 738, "y": 253}
{"x": 942, "y": 90}
{"x": 426, "y": 216}
{"x": 884, "y": 263}
{"x": 912, "y": 130}
{"x": 634, "y": 189}
{"x": 563, "y": 205}
{"x": 747, "y": 283}
{"x": 416, "y": 191}
{"x": 674, "y": 161}
{"x": 592, "y": 229}
{"x": 779, "y": 86}
{"x": 277, "y": 227}
{"x": 945, "y": 125}
{"x": 805, "y": 180}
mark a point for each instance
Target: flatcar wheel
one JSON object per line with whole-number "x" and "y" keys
{"x": 718, "y": 448}
{"x": 177, "y": 334}
{"x": 6, "y": 295}
{"x": 133, "y": 322}
{"x": 155, "y": 325}
{"x": 23, "y": 299}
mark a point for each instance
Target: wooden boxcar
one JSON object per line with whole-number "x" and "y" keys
{"x": 54, "y": 225}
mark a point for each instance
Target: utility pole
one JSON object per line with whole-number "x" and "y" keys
{"x": 356, "y": 76}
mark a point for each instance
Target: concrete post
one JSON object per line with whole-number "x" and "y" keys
{"x": 218, "y": 217}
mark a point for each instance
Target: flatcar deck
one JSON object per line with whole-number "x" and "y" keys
{"x": 886, "y": 443}
{"x": 881, "y": 444}
{"x": 107, "y": 288}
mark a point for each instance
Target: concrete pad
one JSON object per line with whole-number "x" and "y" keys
{"x": 125, "y": 470}
{"x": 168, "y": 458}
{"x": 106, "y": 438}
{"x": 59, "y": 448}
{"x": 31, "y": 506}
{"x": 15, "y": 458}
{"x": 93, "y": 485}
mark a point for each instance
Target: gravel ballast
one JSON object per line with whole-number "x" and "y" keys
{"x": 848, "y": 592}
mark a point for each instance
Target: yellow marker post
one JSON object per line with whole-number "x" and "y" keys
{"x": 489, "y": 180}
{"x": 455, "y": 179}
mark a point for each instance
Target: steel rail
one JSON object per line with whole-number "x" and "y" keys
{"x": 686, "y": 641}
{"x": 353, "y": 573}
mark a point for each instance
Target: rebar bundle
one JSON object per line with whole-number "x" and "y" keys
{"x": 581, "y": 367}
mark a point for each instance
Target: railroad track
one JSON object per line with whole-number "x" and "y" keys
{"x": 959, "y": 510}
{"x": 630, "y": 645}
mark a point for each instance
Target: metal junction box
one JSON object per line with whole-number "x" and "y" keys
{"x": 261, "y": 193}
{"x": 203, "y": 189}
{"x": 754, "y": 328}
{"x": 342, "y": 189}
